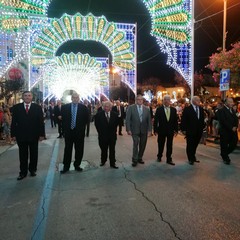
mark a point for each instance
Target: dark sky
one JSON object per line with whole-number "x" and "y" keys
{"x": 208, "y": 33}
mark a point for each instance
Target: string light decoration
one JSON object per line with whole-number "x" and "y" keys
{"x": 85, "y": 28}
{"x": 86, "y": 75}
{"x": 171, "y": 26}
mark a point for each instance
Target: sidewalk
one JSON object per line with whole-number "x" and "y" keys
{"x": 4, "y": 146}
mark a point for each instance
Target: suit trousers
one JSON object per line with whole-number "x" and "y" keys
{"x": 28, "y": 148}
{"x": 60, "y": 131}
{"x": 73, "y": 138}
{"x": 161, "y": 143}
{"x": 139, "y": 145}
{"x": 228, "y": 142}
{"x": 105, "y": 144}
{"x": 120, "y": 124}
{"x": 192, "y": 144}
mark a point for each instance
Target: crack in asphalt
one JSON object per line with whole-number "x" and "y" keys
{"x": 150, "y": 201}
{"x": 42, "y": 219}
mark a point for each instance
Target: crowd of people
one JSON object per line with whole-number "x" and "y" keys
{"x": 24, "y": 123}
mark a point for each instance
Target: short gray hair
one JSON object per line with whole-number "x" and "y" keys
{"x": 107, "y": 103}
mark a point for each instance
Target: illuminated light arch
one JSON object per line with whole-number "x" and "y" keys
{"x": 81, "y": 72}
{"x": 85, "y": 28}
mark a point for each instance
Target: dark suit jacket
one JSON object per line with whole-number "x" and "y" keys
{"x": 57, "y": 112}
{"x": 81, "y": 119}
{"x": 227, "y": 120}
{"x": 27, "y": 126}
{"x": 104, "y": 128}
{"x": 161, "y": 125}
{"x": 190, "y": 122}
{"x": 115, "y": 109}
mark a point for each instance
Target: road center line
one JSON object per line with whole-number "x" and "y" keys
{"x": 39, "y": 226}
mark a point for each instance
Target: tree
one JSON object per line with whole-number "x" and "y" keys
{"x": 10, "y": 88}
{"x": 227, "y": 60}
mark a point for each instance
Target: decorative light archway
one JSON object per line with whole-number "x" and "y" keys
{"x": 86, "y": 75}
{"x": 85, "y": 28}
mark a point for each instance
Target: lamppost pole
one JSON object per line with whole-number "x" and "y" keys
{"x": 224, "y": 35}
{"x": 192, "y": 51}
{"x": 224, "y": 24}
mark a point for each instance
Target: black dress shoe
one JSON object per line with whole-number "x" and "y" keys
{"x": 159, "y": 160}
{"x": 120, "y": 134}
{"x": 171, "y": 163}
{"x": 78, "y": 169}
{"x": 102, "y": 164}
{"x": 21, "y": 176}
{"x": 141, "y": 161}
{"x": 134, "y": 164}
{"x": 33, "y": 174}
{"x": 114, "y": 166}
{"x": 191, "y": 162}
{"x": 64, "y": 171}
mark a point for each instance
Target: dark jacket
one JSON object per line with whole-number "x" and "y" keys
{"x": 227, "y": 120}
{"x": 104, "y": 128}
{"x": 161, "y": 125}
{"x": 190, "y": 122}
{"x": 27, "y": 126}
{"x": 81, "y": 119}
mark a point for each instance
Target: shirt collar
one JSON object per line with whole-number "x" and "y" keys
{"x": 29, "y": 104}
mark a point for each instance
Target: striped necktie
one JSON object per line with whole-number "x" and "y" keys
{"x": 73, "y": 116}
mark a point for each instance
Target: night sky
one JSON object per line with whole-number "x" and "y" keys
{"x": 208, "y": 33}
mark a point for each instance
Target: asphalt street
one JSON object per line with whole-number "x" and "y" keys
{"x": 152, "y": 201}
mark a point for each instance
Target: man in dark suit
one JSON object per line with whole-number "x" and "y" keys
{"x": 74, "y": 120}
{"x": 106, "y": 123}
{"x": 89, "y": 108}
{"x": 228, "y": 122}
{"x": 51, "y": 113}
{"x": 121, "y": 115}
{"x": 166, "y": 126}
{"x": 58, "y": 117}
{"x": 27, "y": 129}
{"x": 139, "y": 126}
{"x": 192, "y": 124}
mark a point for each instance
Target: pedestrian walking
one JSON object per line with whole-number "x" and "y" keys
{"x": 165, "y": 127}
{"x": 139, "y": 126}
{"x": 27, "y": 129}
{"x": 228, "y": 125}
{"x": 192, "y": 124}
{"x": 58, "y": 117}
{"x": 121, "y": 116}
{"x": 74, "y": 120}
{"x": 106, "y": 123}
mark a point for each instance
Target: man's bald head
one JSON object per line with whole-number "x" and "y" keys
{"x": 196, "y": 101}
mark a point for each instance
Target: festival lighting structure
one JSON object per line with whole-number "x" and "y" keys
{"x": 171, "y": 26}
{"x": 80, "y": 72}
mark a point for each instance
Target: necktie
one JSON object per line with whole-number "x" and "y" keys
{"x": 167, "y": 113}
{"x": 108, "y": 118}
{"x": 119, "y": 111}
{"x": 197, "y": 112}
{"x": 27, "y": 108}
{"x": 73, "y": 116}
{"x": 140, "y": 113}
